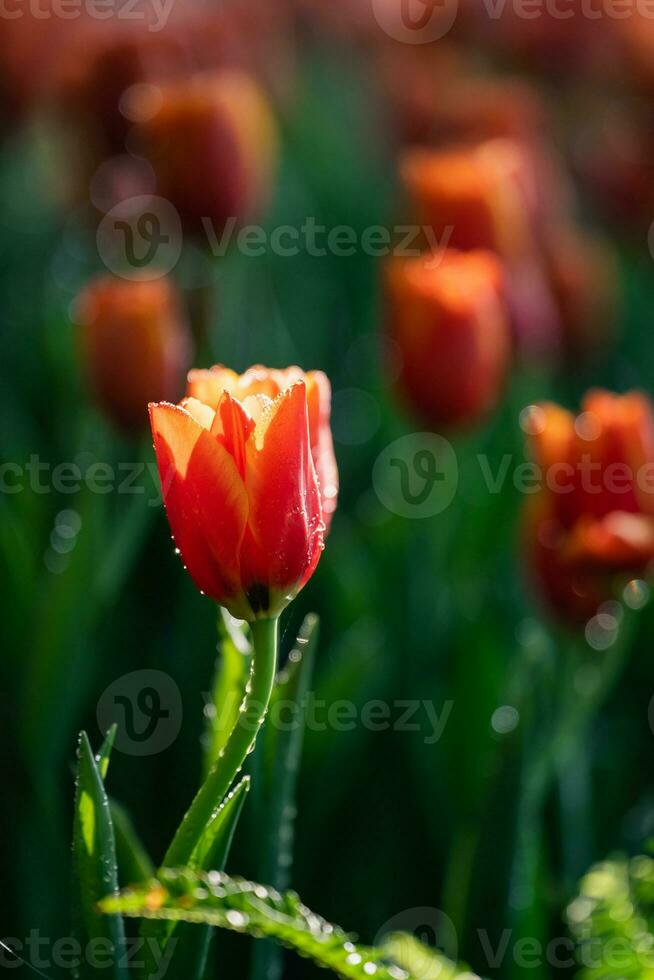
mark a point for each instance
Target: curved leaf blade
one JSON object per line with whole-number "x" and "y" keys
{"x": 216, "y": 899}
{"x": 215, "y": 843}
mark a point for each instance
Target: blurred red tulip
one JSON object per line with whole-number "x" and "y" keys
{"x": 212, "y": 143}
{"x": 582, "y": 271}
{"x": 96, "y": 89}
{"x": 555, "y": 37}
{"x": 592, "y": 523}
{"x": 136, "y": 346}
{"x": 208, "y": 386}
{"x": 427, "y": 71}
{"x": 92, "y": 89}
{"x": 449, "y": 330}
{"x": 32, "y": 48}
{"x": 484, "y": 107}
{"x": 485, "y": 196}
{"x": 240, "y": 487}
{"x": 613, "y": 154}
{"x": 489, "y": 196}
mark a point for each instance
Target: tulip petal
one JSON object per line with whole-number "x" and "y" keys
{"x": 203, "y": 414}
{"x": 285, "y": 528}
{"x": 551, "y": 434}
{"x": 319, "y": 398}
{"x": 205, "y": 499}
{"x": 232, "y": 427}
{"x": 208, "y": 385}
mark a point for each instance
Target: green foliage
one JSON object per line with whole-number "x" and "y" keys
{"x": 420, "y": 961}
{"x": 612, "y": 920}
{"x": 94, "y": 857}
{"x": 282, "y": 750}
{"x": 134, "y": 863}
{"x": 215, "y": 899}
{"x": 214, "y": 845}
{"x": 232, "y": 670}
{"x": 192, "y": 946}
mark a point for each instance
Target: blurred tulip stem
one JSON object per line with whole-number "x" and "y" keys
{"x": 585, "y": 680}
{"x": 265, "y": 641}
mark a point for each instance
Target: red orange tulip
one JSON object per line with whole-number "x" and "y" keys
{"x": 135, "y": 343}
{"x": 242, "y": 492}
{"x": 208, "y": 387}
{"x": 449, "y": 327}
{"x": 592, "y": 523}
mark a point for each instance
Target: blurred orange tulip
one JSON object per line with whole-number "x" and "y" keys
{"x": 450, "y": 333}
{"x": 136, "y": 346}
{"x": 492, "y": 196}
{"x": 484, "y": 196}
{"x": 592, "y": 522}
{"x": 212, "y": 143}
{"x": 240, "y": 486}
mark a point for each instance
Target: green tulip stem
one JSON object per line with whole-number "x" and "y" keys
{"x": 265, "y": 640}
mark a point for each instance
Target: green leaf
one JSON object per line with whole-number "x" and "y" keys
{"x": 94, "y": 863}
{"x": 420, "y": 961}
{"x": 102, "y": 758}
{"x": 215, "y": 843}
{"x": 133, "y": 860}
{"x": 191, "y": 945}
{"x": 215, "y": 899}
{"x": 232, "y": 671}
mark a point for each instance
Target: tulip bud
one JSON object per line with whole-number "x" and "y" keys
{"x": 490, "y": 196}
{"x": 477, "y": 197}
{"x": 592, "y": 523}
{"x": 118, "y": 60}
{"x": 613, "y": 160}
{"x": 136, "y": 346}
{"x": 212, "y": 143}
{"x": 240, "y": 485}
{"x": 449, "y": 328}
